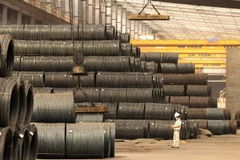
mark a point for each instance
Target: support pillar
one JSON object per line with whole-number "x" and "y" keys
{"x": 132, "y": 29}
{"x": 4, "y": 14}
{"x": 32, "y": 20}
{"x": 119, "y": 18}
{"x": 103, "y": 12}
{"x": 114, "y": 15}
{"x": 136, "y": 28}
{"x": 124, "y": 21}
{"x": 75, "y": 11}
{"x": 67, "y": 9}
{"x": 19, "y": 18}
{"x": 108, "y": 11}
{"x": 97, "y": 12}
{"x": 90, "y": 12}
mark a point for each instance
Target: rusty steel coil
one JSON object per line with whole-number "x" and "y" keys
{"x": 186, "y": 68}
{"x": 126, "y": 49}
{"x": 174, "y": 79}
{"x": 9, "y": 101}
{"x": 199, "y": 102}
{"x": 87, "y": 95}
{"x": 183, "y": 100}
{"x": 196, "y": 113}
{"x": 174, "y": 90}
{"x": 202, "y": 123}
{"x": 113, "y": 95}
{"x": 6, "y": 55}
{"x": 131, "y": 110}
{"x": 52, "y": 108}
{"x": 139, "y": 95}
{"x": 158, "y": 80}
{"x": 170, "y": 58}
{"x": 194, "y": 126}
{"x": 198, "y": 90}
{"x": 198, "y": 79}
{"x": 16, "y": 31}
{"x": 124, "y": 37}
{"x": 37, "y": 79}
{"x": 168, "y": 68}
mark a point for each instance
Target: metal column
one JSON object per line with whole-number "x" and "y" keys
{"x": 103, "y": 12}
{"x": 4, "y": 14}
{"x": 108, "y": 11}
{"x": 132, "y": 29}
{"x": 97, "y": 12}
{"x": 19, "y": 18}
{"x": 119, "y": 18}
{"x": 114, "y": 14}
{"x": 124, "y": 21}
{"x": 90, "y": 12}
{"x": 67, "y": 8}
{"x": 136, "y": 28}
{"x": 128, "y": 24}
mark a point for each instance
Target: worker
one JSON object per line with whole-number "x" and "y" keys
{"x": 176, "y": 127}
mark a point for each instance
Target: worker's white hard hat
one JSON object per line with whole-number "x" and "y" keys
{"x": 176, "y": 114}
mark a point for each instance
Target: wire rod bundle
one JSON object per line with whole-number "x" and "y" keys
{"x": 63, "y": 32}
{"x": 225, "y": 127}
{"x": 9, "y": 101}
{"x": 51, "y": 139}
{"x": 174, "y": 90}
{"x": 158, "y": 81}
{"x": 143, "y": 66}
{"x": 215, "y": 126}
{"x": 227, "y": 114}
{"x": 199, "y": 102}
{"x": 159, "y": 111}
{"x": 95, "y": 137}
{"x": 198, "y": 79}
{"x": 185, "y": 130}
{"x": 124, "y": 37}
{"x": 168, "y": 68}
{"x": 22, "y": 103}
{"x": 232, "y": 127}
{"x": 156, "y": 57}
{"x": 151, "y": 67}
{"x": 42, "y": 90}
{"x": 173, "y": 79}
{"x": 237, "y": 116}
{"x": 158, "y": 96}
{"x": 170, "y": 58}
{"x": 89, "y": 117}
{"x": 201, "y": 123}
{"x": 183, "y": 100}
{"x": 137, "y": 65}
{"x": 193, "y": 129}
{"x": 33, "y": 134}
{"x": 37, "y": 32}
{"x": 185, "y": 68}
{"x": 132, "y": 64}
{"x": 131, "y": 110}
{"x": 57, "y": 107}
{"x": 16, "y": 31}
{"x": 161, "y": 129}
{"x": 6, "y": 55}
{"x": 181, "y": 109}
{"x": 112, "y": 110}
{"x": 215, "y": 114}
{"x": 6, "y": 143}
{"x": 139, "y": 95}
{"x": 126, "y": 49}
{"x": 111, "y": 32}
{"x": 196, "y": 113}
{"x": 37, "y": 79}
{"x": 198, "y": 90}
{"x": 88, "y": 95}
{"x": 92, "y": 32}
{"x": 29, "y": 101}
{"x": 113, "y": 95}
{"x": 213, "y": 102}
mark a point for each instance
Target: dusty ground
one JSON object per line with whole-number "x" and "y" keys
{"x": 225, "y": 147}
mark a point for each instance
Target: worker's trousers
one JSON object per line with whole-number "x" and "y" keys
{"x": 176, "y": 139}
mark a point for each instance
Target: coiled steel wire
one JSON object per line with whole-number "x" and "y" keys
{"x": 93, "y": 136}
{"x": 151, "y": 67}
{"x": 143, "y": 56}
{"x": 167, "y": 99}
{"x": 227, "y": 114}
{"x": 193, "y": 129}
{"x": 156, "y": 57}
{"x": 29, "y": 101}
{"x": 215, "y": 113}
{"x": 185, "y": 68}
{"x": 6, "y": 143}
{"x": 139, "y": 95}
{"x": 63, "y": 32}
{"x": 137, "y": 64}
{"x": 131, "y": 110}
{"x": 37, "y": 32}
{"x": 33, "y": 133}
{"x": 113, "y": 95}
{"x": 196, "y": 113}
{"x": 89, "y": 117}
{"x": 213, "y": 102}
{"x": 37, "y": 79}
{"x": 86, "y": 81}
{"x": 173, "y": 79}
{"x": 159, "y": 111}
{"x": 56, "y": 79}
{"x": 126, "y": 49}
{"x": 131, "y": 129}
{"x": 88, "y": 95}
{"x": 199, "y": 102}
{"x": 92, "y": 32}
{"x": 51, "y": 140}
{"x": 158, "y": 81}
{"x": 9, "y": 101}
{"x": 161, "y": 129}
{"x": 181, "y": 109}
{"x": 225, "y": 127}
{"x": 184, "y": 100}
{"x": 201, "y": 123}
{"x": 16, "y": 31}
{"x": 158, "y": 96}
{"x": 174, "y": 90}
{"x": 198, "y": 90}
{"x": 215, "y": 126}
{"x": 237, "y": 116}
{"x": 143, "y": 66}
{"x": 111, "y": 32}
{"x": 57, "y": 107}
{"x": 6, "y": 55}
{"x": 198, "y": 79}
{"x": 124, "y": 37}
{"x": 168, "y": 68}
{"x": 185, "y": 130}
{"x": 120, "y": 64}
{"x": 136, "y": 51}
{"x": 43, "y": 90}
{"x": 132, "y": 64}
{"x": 233, "y": 127}
{"x": 170, "y": 58}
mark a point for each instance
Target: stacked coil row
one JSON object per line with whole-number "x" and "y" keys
{"x": 18, "y": 139}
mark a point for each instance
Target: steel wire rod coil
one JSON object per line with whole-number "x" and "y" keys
{"x": 89, "y": 117}
{"x": 202, "y": 123}
{"x": 225, "y": 127}
{"x": 138, "y": 79}
{"x": 42, "y": 90}
{"x": 215, "y": 114}
{"x": 186, "y": 68}
{"x": 237, "y": 116}
{"x": 168, "y": 68}
{"x": 64, "y": 32}
{"x": 139, "y": 95}
{"x": 185, "y": 130}
{"x": 152, "y": 67}
{"x": 56, "y": 79}
{"x": 92, "y": 32}
{"x": 88, "y": 95}
{"x": 29, "y": 101}
{"x": 170, "y": 58}
{"x": 174, "y": 90}
{"x": 124, "y": 37}
{"x": 132, "y": 64}
{"x": 16, "y": 31}
{"x": 86, "y": 81}
{"x": 9, "y": 101}
{"x": 119, "y": 64}
{"x": 137, "y": 64}
{"x": 51, "y": 140}
{"x": 181, "y": 109}
{"x": 156, "y": 57}
{"x": 33, "y": 133}
{"x": 131, "y": 129}
{"x": 113, "y": 95}
{"x": 126, "y": 49}
{"x": 143, "y": 66}
{"x": 111, "y": 32}
{"x": 131, "y": 110}
{"x": 135, "y": 51}
{"x": 158, "y": 80}
{"x": 193, "y": 129}
{"x": 174, "y": 79}
{"x": 198, "y": 90}
{"x": 52, "y": 108}
{"x": 143, "y": 56}
{"x": 6, "y": 143}
{"x": 93, "y": 136}
{"x": 63, "y": 90}
{"x": 183, "y": 100}
{"x": 215, "y": 126}
{"x": 233, "y": 127}
{"x": 199, "y": 102}
{"x": 6, "y": 55}
{"x": 161, "y": 129}
{"x": 158, "y": 96}
{"x": 213, "y": 102}
{"x": 198, "y": 79}
{"x": 227, "y": 114}
{"x": 196, "y": 113}
{"x": 37, "y": 32}
{"x": 37, "y": 79}
{"x": 159, "y": 111}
